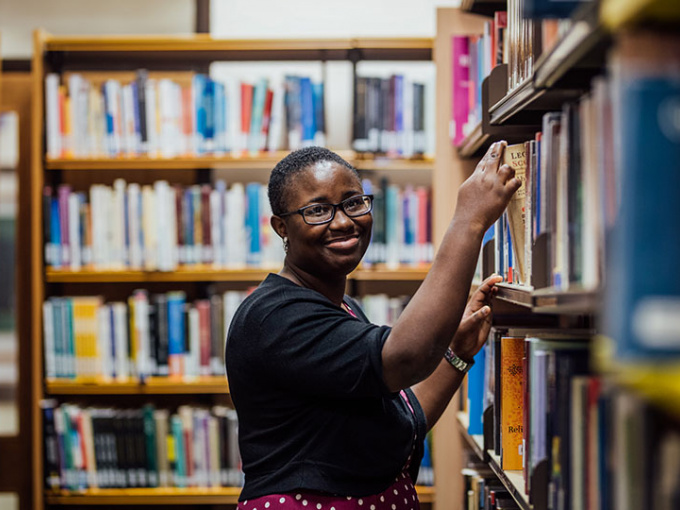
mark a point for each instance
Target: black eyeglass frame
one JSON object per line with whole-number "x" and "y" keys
{"x": 301, "y": 211}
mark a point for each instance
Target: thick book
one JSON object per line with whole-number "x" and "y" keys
{"x": 642, "y": 300}
{"x": 512, "y": 352}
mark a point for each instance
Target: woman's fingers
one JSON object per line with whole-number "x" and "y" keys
{"x": 492, "y": 158}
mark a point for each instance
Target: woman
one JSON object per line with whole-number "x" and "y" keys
{"x": 332, "y": 409}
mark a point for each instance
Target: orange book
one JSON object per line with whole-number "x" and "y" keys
{"x": 512, "y": 402}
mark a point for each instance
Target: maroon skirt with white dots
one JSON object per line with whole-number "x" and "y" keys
{"x": 401, "y": 495}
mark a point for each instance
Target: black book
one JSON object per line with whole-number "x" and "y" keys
{"x": 153, "y": 336}
{"x": 52, "y": 470}
{"x": 217, "y": 335}
{"x": 360, "y": 135}
{"x": 142, "y": 77}
{"x": 161, "y": 306}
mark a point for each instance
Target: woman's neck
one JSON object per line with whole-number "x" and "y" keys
{"x": 332, "y": 288}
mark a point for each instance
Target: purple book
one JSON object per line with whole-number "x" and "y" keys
{"x": 460, "y": 85}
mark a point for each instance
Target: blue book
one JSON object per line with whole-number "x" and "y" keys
{"x": 180, "y": 458}
{"x": 642, "y": 297}
{"x": 476, "y": 394}
{"x": 208, "y": 102}
{"x": 399, "y": 111}
{"x": 550, "y": 8}
{"x": 198, "y": 84}
{"x": 55, "y": 232}
{"x": 176, "y": 332}
{"x": 307, "y": 104}
{"x": 254, "y": 256}
{"x": 220, "y": 117}
{"x": 70, "y": 344}
{"x": 319, "y": 114}
{"x": 136, "y": 118}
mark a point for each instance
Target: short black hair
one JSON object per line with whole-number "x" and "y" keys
{"x": 293, "y": 164}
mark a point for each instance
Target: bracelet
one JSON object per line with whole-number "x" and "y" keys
{"x": 457, "y": 363}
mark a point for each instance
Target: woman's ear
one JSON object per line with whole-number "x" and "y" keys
{"x": 279, "y": 226}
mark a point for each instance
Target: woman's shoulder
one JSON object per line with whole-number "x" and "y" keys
{"x": 277, "y": 294}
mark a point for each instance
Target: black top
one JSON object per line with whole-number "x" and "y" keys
{"x": 314, "y": 413}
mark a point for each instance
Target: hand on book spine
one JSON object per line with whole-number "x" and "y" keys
{"x": 474, "y": 327}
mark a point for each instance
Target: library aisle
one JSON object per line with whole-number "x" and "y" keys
{"x": 134, "y": 220}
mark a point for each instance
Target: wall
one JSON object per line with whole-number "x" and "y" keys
{"x": 18, "y": 19}
{"x": 325, "y": 18}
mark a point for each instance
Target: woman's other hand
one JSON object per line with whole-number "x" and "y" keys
{"x": 482, "y": 198}
{"x": 476, "y": 322}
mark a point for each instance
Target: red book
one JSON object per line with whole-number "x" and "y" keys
{"x": 266, "y": 118}
{"x": 246, "y": 112}
{"x": 203, "y": 307}
{"x": 188, "y": 128}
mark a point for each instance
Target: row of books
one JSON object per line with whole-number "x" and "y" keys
{"x": 507, "y": 39}
{"x": 159, "y": 226}
{"x": 178, "y": 114}
{"x": 402, "y": 224}
{"x": 566, "y": 191}
{"x": 580, "y": 441}
{"x": 389, "y": 116}
{"x": 474, "y": 56}
{"x": 151, "y": 335}
{"x": 95, "y": 447}
{"x": 483, "y": 490}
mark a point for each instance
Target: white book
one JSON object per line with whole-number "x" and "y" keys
{"x": 106, "y": 211}
{"x": 74, "y": 82}
{"x": 129, "y": 131}
{"x": 97, "y": 226}
{"x": 48, "y": 341}
{"x": 104, "y": 339}
{"x": 236, "y": 227}
{"x": 237, "y": 143}
{"x": 74, "y": 231}
{"x": 408, "y": 142}
{"x": 120, "y": 341}
{"x": 112, "y": 105}
{"x": 193, "y": 358}
{"x": 200, "y": 439}
{"x": 166, "y": 98}
{"x": 215, "y": 228}
{"x": 119, "y": 253}
{"x": 145, "y": 364}
{"x": 134, "y": 225}
{"x": 164, "y": 234}
{"x": 53, "y": 115}
{"x": 277, "y": 121}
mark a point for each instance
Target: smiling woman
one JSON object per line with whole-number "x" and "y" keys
{"x": 332, "y": 409}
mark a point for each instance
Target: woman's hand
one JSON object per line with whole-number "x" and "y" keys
{"x": 476, "y": 322}
{"x": 482, "y": 198}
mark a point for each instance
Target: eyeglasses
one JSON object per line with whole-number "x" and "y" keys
{"x": 318, "y": 214}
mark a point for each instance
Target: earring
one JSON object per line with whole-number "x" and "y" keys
{"x": 285, "y": 244}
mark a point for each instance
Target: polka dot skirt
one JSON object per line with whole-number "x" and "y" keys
{"x": 401, "y": 495}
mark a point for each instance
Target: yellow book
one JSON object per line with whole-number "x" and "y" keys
{"x": 515, "y": 157}
{"x": 512, "y": 402}
{"x": 85, "y": 335}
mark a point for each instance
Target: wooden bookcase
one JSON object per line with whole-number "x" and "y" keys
{"x": 560, "y": 76}
{"x": 57, "y": 54}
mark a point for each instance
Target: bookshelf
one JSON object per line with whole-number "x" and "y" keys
{"x": 609, "y": 383}
{"x": 100, "y": 56}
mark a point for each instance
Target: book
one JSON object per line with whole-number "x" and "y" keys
{"x": 511, "y": 426}
{"x": 515, "y": 157}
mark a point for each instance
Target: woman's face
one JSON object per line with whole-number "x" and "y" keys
{"x": 331, "y": 248}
